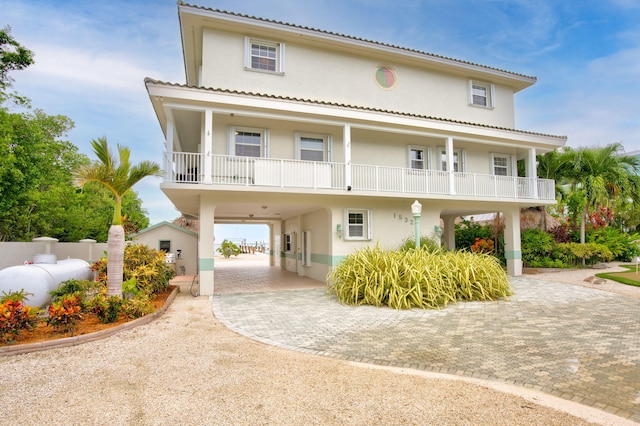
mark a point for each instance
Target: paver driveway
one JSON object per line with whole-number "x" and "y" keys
{"x": 576, "y": 343}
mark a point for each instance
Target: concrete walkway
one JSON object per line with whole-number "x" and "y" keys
{"x": 576, "y": 343}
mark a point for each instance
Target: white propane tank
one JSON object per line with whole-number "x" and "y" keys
{"x": 40, "y": 279}
{"x": 48, "y": 258}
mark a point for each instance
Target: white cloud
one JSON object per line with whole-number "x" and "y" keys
{"x": 80, "y": 68}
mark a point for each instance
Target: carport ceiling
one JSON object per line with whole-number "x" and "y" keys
{"x": 258, "y": 213}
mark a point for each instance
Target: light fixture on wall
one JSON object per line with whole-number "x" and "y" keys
{"x": 339, "y": 230}
{"x": 438, "y": 230}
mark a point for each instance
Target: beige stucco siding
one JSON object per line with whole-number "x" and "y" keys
{"x": 319, "y": 225}
{"x": 186, "y": 242}
{"x": 349, "y": 78}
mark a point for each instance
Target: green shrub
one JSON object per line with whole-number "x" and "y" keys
{"x": 426, "y": 244}
{"x": 85, "y": 289}
{"x": 416, "y": 278}
{"x": 146, "y": 265}
{"x": 107, "y": 309}
{"x": 228, "y": 249}
{"x": 468, "y": 230}
{"x": 137, "y": 306}
{"x": 535, "y": 244}
{"x": 621, "y": 245}
{"x": 574, "y": 253}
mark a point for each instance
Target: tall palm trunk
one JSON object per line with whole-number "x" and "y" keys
{"x": 115, "y": 260}
{"x": 583, "y": 225}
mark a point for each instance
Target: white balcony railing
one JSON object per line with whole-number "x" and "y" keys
{"x": 183, "y": 167}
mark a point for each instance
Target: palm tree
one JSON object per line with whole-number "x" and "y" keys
{"x": 118, "y": 176}
{"x": 554, "y": 165}
{"x": 602, "y": 174}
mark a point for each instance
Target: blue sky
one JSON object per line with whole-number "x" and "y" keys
{"x": 92, "y": 57}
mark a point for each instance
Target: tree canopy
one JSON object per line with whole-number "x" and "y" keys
{"x": 13, "y": 56}
{"x": 37, "y": 195}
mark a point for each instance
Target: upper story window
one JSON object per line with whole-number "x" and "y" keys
{"x": 418, "y": 158}
{"x": 358, "y": 224}
{"x": 501, "y": 164}
{"x": 312, "y": 147}
{"x": 458, "y": 160}
{"x": 481, "y": 94}
{"x": 263, "y": 55}
{"x": 247, "y": 142}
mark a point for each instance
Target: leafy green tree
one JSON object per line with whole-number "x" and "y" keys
{"x": 557, "y": 166}
{"x": 13, "y": 56}
{"x": 602, "y": 174}
{"x": 118, "y": 176}
{"x": 37, "y": 195}
{"x": 33, "y": 161}
{"x": 228, "y": 249}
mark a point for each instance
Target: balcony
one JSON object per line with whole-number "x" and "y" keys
{"x": 281, "y": 173}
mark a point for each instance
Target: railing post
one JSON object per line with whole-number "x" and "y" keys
{"x": 246, "y": 171}
{"x": 315, "y": 175}
{"x": 281, "y": 174}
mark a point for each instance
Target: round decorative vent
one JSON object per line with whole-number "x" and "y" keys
{"x": 385, "y": 77}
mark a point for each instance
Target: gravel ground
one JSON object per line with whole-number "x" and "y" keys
{"x": 187, "y": 368}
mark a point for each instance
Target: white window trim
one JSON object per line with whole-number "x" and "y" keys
{"x": 326, "y": 156}
{"x": 366, "y": 226}
{"x": 510, "y": 167}
{"x": 462, "y": 159}
{"x": 287, "y": 243}
{"x": 264, "y": 140}
{"x": 426, "y": 153}
{"x": 490, "y": 94}
{"x": 248, "y": 41}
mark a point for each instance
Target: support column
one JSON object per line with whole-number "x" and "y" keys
{"x": 449, "y": 152}
{"x": 449, "y": 232}
{"x": 532, "y": 171}
{"x": 205, "y": 245}
{"x": 512, "y": 250}
{"x": 276, "y": 244}
{"x": 208, "y": 145}
{"x": 168, "y": 146}
{"x": 346, "y": 139}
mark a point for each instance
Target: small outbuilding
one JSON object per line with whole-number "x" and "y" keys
{"x": 180, "y": 244}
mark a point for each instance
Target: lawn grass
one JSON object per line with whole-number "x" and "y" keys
{"x": 630, "y": 277}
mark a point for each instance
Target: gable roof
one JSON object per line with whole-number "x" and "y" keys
{"x": 170, "y": 225}
{"x": 518, "y": 81}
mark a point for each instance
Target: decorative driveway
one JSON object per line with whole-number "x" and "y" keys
{"x": 576, "y": 343}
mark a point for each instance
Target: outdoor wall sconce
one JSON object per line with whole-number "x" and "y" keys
{"x": 438, "y": 230}
{"x": 339, "y": 230}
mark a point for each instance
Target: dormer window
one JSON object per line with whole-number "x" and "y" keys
{"x": 480, "y": 94}
{"x": 264, "y": 56}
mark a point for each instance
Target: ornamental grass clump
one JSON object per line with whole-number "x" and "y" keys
{"x": 417, "y": 278}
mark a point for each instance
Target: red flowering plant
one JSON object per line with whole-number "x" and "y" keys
{"x": 65, "y": 313}
{"x": 602, "y": 217}
{"x": 482, "y": 245}
{"x": 15, "y": 315}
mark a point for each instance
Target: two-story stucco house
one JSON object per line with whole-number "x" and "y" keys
{"x": 329, "y": 139}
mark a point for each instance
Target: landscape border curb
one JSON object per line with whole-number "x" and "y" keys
{"x": 90, "y": 337}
